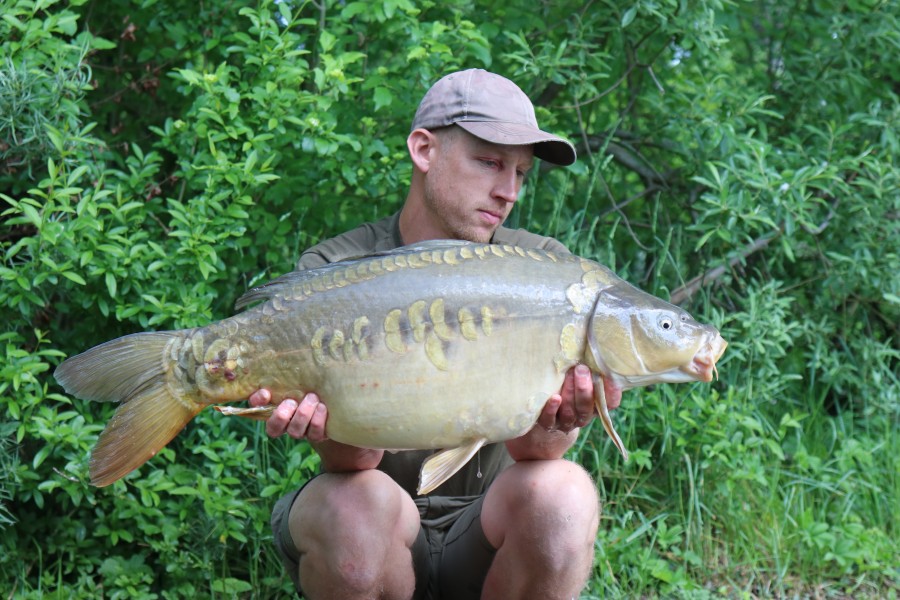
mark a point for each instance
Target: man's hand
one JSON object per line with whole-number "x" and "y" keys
{"x": 300, "y": 420}
{"x": 573, "y": 407}
{"x": 306, "y": 420}
{"x": 558, "y": 424}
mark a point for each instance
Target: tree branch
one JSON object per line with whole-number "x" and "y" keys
{"x": 683, "y": 293}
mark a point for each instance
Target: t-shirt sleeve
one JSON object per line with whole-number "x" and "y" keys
{"x": 361, "y": 241}
{"x": 526, "y": 239}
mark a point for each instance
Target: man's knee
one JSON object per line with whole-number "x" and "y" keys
{"x": 361, "y": 504}
{"x": 555, "y": 500}
{"x": 344, "y": 524}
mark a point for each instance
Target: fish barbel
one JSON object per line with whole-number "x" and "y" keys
{"x": 442, "y": 345}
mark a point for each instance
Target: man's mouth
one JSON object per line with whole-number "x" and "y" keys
{"x": 493, "y": 218}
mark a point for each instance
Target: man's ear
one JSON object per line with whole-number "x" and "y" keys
{"x": 422, "y": 145}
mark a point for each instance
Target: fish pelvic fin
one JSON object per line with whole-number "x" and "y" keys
{"x": 132, "y": 370}
{"x": 257, "y": 413}
{"x": 443, "y": 465}
{"x": 605, "y": 419}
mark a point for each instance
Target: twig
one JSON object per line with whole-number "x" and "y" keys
{"x": 618, "y": 207}
{"x": 61, "y": 474}
{"x": 659, "y": 86}
{"x": 683, "y": 293}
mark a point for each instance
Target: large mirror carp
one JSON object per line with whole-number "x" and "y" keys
{"x": 443, "y": 345}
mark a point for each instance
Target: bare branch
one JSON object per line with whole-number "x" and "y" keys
{"x": 683, "y": 293}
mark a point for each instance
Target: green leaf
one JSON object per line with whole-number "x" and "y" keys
{"x": 383, "y": 97}
{"x": 99, "y": 43}
{"x": 327, "y": 41}
{"x": 416, "y": 53}
{"x": 284, "y": 9}
{"x": 13, "y": 21}
{"x": 192, "y": 77}
{"x": 73, "y": 276}
{"x": 111, "y": 286}
{"x": 32, "y": 214}
{"x": 628, "y": 16}
{"x": 41, "y": 456}
{"x": 231, "y": 586}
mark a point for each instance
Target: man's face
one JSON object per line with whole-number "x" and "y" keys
{"x": 471, "y": 184}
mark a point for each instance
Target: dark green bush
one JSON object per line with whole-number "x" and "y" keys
{"x": 157, "y": 158}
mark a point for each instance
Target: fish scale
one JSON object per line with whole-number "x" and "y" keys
{"x": 444, "y": 345}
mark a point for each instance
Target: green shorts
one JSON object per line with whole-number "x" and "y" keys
{"x": 451, "y": 555}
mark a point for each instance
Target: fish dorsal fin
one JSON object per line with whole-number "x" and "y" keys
{"x": 289, "y": 281}
{"x": 279, "y": 285}
{"x": 443, "y": 465}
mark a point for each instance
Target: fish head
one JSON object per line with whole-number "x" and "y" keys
{"x": 637, "y": 339}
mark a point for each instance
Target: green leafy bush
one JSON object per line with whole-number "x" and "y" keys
{"x": 158, "y": 158}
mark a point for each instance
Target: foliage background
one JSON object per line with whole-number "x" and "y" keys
{"x": 158, "y": 157}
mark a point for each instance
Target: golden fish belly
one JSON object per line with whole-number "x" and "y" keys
{"x": 492, "y": 388}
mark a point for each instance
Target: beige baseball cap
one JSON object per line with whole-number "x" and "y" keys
{"x": 492, "y": 108}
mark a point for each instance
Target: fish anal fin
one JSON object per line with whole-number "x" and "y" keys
{"x": 443, "y": 465}
{"x": 138, "y": 430}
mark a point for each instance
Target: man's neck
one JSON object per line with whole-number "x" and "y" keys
{"x": 415, "y": 223}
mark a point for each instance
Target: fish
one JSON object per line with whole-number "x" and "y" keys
{"x": 443, "y": 345}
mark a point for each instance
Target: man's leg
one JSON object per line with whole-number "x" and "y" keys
{"x": 542, "y": 517}
{"x": 353, "y": 533}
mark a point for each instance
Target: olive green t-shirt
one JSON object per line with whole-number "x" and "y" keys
{"x": 403, "y": 467}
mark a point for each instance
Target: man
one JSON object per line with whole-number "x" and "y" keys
{"x": 518, "y": 521}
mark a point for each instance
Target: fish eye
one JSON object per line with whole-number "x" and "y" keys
{"x": 666, "y": 323}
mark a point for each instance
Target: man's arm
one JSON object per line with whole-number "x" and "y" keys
{"x": 559, "y": 423}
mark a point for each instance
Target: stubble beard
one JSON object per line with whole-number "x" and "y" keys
{"x": 455, "y": 223}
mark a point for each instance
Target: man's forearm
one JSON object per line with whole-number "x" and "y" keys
{"x": 341, "y": 458}
{"x": 540, "y": 444}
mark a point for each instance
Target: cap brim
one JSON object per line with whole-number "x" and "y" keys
{"x": 547, "y": 146}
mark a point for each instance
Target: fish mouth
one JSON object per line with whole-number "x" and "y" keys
{"x": 703, "y": 365}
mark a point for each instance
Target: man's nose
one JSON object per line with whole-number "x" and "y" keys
{"x": 506, "y": 187}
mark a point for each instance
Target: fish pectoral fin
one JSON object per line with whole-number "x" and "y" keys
{"x": 605, "y": 419}
{"x": 443, "y": 465}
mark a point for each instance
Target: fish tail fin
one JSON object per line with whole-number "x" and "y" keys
{"x": 132, "y": 370}
{"x": 139, "y": 429}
